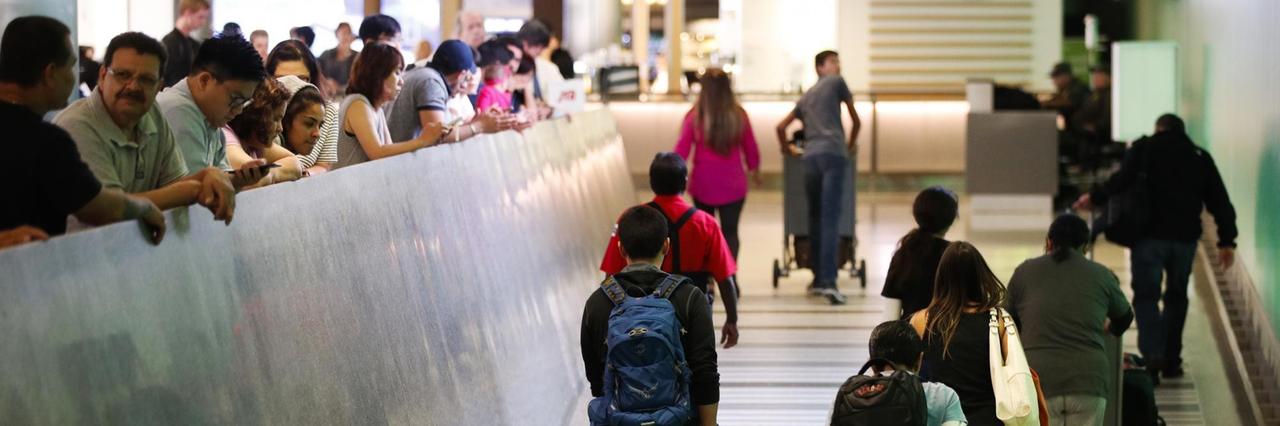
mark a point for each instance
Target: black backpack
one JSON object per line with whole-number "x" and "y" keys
{"x": 1139, "y": 394}
{"x": 895, "y": 399}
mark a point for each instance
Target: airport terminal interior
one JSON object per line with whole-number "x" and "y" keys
{"x": 447, "y": 212}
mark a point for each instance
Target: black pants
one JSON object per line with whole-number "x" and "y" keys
{"x": 730, "y": 214}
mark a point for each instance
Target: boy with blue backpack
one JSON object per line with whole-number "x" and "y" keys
{"x": 648, "y": 342}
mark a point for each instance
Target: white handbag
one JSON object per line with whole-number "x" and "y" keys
{"x": 1017, "y": 403}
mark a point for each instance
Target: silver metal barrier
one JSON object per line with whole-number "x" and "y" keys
{"x": 442, "y": 287}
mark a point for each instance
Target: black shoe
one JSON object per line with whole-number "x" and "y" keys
{"x": 1173, "y": 373}
{"x": 1155, "y": 375}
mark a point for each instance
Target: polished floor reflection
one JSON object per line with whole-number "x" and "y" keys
{"x": 795, "y": 351}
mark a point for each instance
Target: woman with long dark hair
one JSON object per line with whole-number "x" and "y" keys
{"x": 956, "y": 328}
{"x": 908, "y": 286}
{"x": 719, "y": 129}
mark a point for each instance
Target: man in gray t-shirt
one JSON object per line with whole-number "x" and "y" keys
{"x": 826, "y": 161}
{"x": 427, "y": 89}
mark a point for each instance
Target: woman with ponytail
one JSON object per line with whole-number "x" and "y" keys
{"x": 908, "y": 286}
{"x": 1064, "y": 304}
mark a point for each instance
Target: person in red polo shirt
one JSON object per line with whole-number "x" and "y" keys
{"x": 703, "y": 254}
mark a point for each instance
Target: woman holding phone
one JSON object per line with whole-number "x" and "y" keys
{"x": 251, "y": 134}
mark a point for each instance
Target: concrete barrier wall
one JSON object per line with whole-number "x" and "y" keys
{"x": 442, "y": 287}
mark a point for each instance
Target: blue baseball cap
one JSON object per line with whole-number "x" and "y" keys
{"x": 453, "y": 56}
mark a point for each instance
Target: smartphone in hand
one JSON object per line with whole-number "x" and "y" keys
{"x": 261, "y": 169}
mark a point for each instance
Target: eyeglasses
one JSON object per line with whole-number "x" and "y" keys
{"x": 125, "y": 77}
{"x": 240, "y": 102}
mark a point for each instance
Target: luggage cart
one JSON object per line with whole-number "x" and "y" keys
{"x": 795, "y": 232}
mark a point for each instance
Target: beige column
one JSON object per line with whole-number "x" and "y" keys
{"x": 449, "y": 10}
{"x": 372, "y": 7}
{"x": 674, "y": 29}
{"x": 640, "y": 40}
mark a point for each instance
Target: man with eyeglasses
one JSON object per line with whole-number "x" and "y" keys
{"x": 226, "y": 72}
{"x": 126, "y": 142}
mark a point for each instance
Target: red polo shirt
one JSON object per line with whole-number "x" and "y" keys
{"x": 702, "y": 245}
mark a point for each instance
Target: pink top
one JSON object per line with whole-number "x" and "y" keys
{"x": 718, "y": 179}
{"x": 232, "y": 139}
{"x": 490, "y": 95}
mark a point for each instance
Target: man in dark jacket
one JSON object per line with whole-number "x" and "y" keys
{"x": 642, "y": 236}
{"x": 181, "y": 48}
{"x": 1182, "y": 181}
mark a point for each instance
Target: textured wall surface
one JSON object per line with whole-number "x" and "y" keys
{"x": 437, "y": 288}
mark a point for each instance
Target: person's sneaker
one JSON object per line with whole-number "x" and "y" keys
{"x": 815, "y": 291}
{"x": 835, "y": 297}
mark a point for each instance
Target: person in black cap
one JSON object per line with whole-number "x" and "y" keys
{"x": 1071, "y": 92}
{"x": 421, "y": 106}
{"x": 1093, "y": 120}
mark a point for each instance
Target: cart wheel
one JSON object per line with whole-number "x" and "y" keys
{"x": 862, "y": 272}
{"x": 777, "y": 272}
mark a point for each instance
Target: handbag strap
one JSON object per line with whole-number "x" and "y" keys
{"x": 1000, "y": 329}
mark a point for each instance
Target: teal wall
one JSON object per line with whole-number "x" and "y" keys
{"x": 1230, "y": 63}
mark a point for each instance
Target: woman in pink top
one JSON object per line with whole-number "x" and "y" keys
{"x": 721, "y": 132}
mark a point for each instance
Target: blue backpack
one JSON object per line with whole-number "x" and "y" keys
{"x": 646, "y": 377}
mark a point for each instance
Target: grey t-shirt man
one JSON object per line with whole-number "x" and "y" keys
{"x": 819, "y": 110}
{"x": 424, "y": 89}
{"x": 1060, "y": 308}
{"x": 145, "y": 160}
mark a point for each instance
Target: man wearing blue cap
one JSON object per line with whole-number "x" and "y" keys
{"x": 422, "y": 103}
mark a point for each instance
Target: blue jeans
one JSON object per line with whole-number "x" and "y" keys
{"x": 1160, "y": 334}
{"x": 824, "y": 184}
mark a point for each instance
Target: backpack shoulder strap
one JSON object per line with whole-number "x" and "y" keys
{"x": 614, "y": 290}
{"x": 669, "y": 286}
{"x": 684, "y": 218}
{"x": 673, "y": 232}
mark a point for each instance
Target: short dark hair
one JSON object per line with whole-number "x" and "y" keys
{"x": 642, "y": 230}
{"x": 139, "y": 42}
{"x": 229, "y": 58}
{"x": 493, "y": 52}
{"x": 668, "y": 174}
{"x": 232, "y": 29}
{"x": 1068, "y": 232}
{"x": 30, "y": 44}
{"x": 372, "y": 65}
{"x": 822, "y": 56}
{"x": 896, "y": 342}
{"x": 375, "y": 26}
{"x": 1171, "y": 123}
{"x": 293, "y": 50}
{"x": 935, "y": 209}
{"x": 308, "y": 35}
{"x": 534, "y": 33}
{"x": 254, "y": 122}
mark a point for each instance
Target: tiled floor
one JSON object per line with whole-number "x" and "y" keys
{"x": 795, "y": 351}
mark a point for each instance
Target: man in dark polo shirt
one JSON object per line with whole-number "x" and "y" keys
{"x": 44, "y": 179}
{"x": 704, "y": 255}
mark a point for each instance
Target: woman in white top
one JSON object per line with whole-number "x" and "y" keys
{"x": 375, "y": 82}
